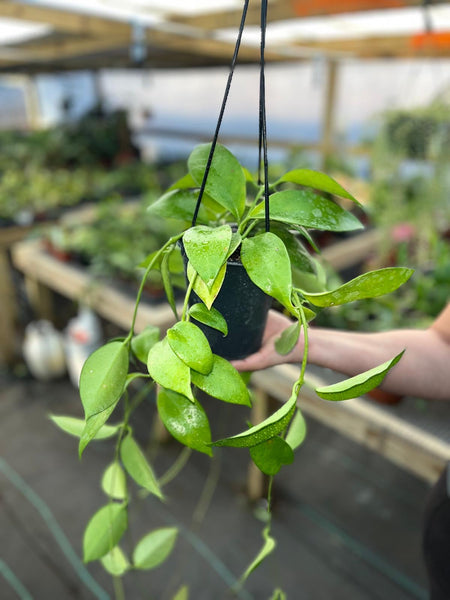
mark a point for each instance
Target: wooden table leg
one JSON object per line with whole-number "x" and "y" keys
{"x": 40, "y": 298}
{"x": 8, "y": 312}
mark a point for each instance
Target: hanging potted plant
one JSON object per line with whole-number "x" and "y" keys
{"x": 261, "y": 230}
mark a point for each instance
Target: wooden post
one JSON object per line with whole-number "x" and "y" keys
{"x": 32, "y": 103}
{"x": 40, "y": 298}
{"x": 329, "y": 111}
{"x": 7, "y": 310}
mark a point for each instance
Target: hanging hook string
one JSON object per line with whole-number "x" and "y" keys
{"x": 262, "y": 118}
{"x": 222, "y": 110}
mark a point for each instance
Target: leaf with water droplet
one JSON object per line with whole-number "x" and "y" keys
{"x": 169, "y": 370}
{"x": 224, "y": 382}
{"x": 190, "y": 345}
{"x": 207, "y": 250}
{"x": 212, "y": 317}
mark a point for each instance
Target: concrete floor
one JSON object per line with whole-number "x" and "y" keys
{"x": 347, "y": 522}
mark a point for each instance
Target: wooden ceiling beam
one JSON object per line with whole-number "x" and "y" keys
{"x": 282, "y": 10}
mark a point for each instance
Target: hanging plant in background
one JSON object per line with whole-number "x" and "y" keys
{"x": 262, "y": 230}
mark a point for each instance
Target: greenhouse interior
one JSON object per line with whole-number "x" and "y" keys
{"x": 225, "y": 299}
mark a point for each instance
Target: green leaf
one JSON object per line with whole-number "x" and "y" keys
{"x": 317, "y": 180}
{"x": 368, "y": 285}
{"x": 267, "y": 263}
{"x": 287, "y": 340}
{"x": 114, "y": 482}
{"x": 183, "y": 183}
{"x": 168, "y": 370}
{"x": 226, "y": 180}
{"x": 144, "y": 341}
{"x": 223, "y": 382}
{"x": 75, "y": 427}
{"x": 104, "y": 531}
{"x": 137, "y": 466}
{"x": 201, "y": 289}
{"x": 301, "y": 207}
{"x": 154, "y": 548}
{"x": 236, "y": 241}
{"x": 269, "y": 428}
{"x": 179, "y": 205}
{"x": 190, "y": 345}
{"x": 300, "y": 257}
{"x": 115, "y": 562}
{"x": 92, "y": 426}
{"x": 358, "y": 385}
{"x": 185, "y": 420}
{"x": 271, "y": 455}
{"x": 103, "y": 378}
{"x": 167, "y": 283}
{"x": 278, "y": 595}
{"x": 212, "y": 317}
{"x": 297, "y": 431}
{"x": 268, "y": 548}
{"x": 207, "y": 250}
{"x": 182, "y": 593}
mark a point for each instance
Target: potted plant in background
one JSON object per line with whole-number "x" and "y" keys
{"x": 270, "y": 244}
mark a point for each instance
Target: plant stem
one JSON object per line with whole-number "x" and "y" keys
{"x": 119, "y": 592}
{"x": 176, "y": 468}
{"x": 298, "y": 384}
{"x": 186, "y": 298}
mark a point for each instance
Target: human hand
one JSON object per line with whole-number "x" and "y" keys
{"x": 267, "y": 356}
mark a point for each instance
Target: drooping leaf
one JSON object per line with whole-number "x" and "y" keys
{"x": 236, "y": 241}
{"x": 297, "y": 431}
{"x": 185, "y": 420}
{"x": 190, "y": 345}
{"x": 154, "y": 548}
{"x": 92, "y": 426}
{"x": 103, "y": 378}
{"x": 141, "y": 343}
{"x": 317, "y": 180}
{"x": 114, "y": 482}
{"x": 302, "y": 207}
{"x": 268, "y": 548}
{"x": 201, "y": 289}
{"x": 359, "y": 384}
{"x": 269, "y": 428}
{"x": 223, "y": 382}
{"x": 138, "y": 467}
{"x": 211, "y": 317}
{"x": 287, "y": 340}
{"x": 267, "y": 263}
{"x": 226, "y": 179}
{"x": 167, "y": 283}
{"x": 369, "y": 285}
{"x": 179, "y": 205}
{"x": 75, "y": 427}
{"x": 271, "y": 455}
{"x": 104, "y": 531}
{"x": 115, "y": 562}
{"x": 300, "y": 257}
{"x": 182, "y": 593}
{"x": 168, "y": 370}
{"x": 207, "y": 250}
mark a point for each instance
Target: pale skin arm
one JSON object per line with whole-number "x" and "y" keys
{"x": 423, "y": 371}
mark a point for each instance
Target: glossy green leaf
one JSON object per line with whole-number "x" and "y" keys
{"x": 183, "y": 183}
{"x": 368, "y": 285}
{"x": 75, "y": 427}
{"x": 144, "y": 341}
{"x": 190, "y": 345}
{"x": 201, "y": 289}
{"x": 104, "y": 531}
{"x": 317, "y": 180}
{"x": 115, "y": 562}
{"x": 300, "y": 257}
{"x": 212, "y": 317}
{"x": 103, "y": 378}
{"x": 271, "y": 455}
{"x": 297, "y": 431}
{"x": 287, "y": 340}
{"x": 267, "y": 263}
{"x": 226, "y": 180}
{"x": 358, "y": 385}
{"x": 179, "y": 205}
{"x": 138, "y": 467}
{"x": 185, "y": 420}
{"x": 168, "y": 370}
{"x": 92, "y": 426}
{"x": 167, "y": 283}
{"x": 154, "y": 548}
{"x": 114, "y": 482}
{"x": 268, "y": 547}
{"x": 223, "y": 382}
{"x": 207, "y": 250}
{"x": 301, "y": 207}
{"x": 236, "y": 241}
{"x": 269, "y": 428}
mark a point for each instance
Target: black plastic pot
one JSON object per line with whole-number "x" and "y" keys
{"x": 244, "y": 307}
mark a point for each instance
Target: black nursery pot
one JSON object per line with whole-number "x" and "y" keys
{"x": 244, "y": 306}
